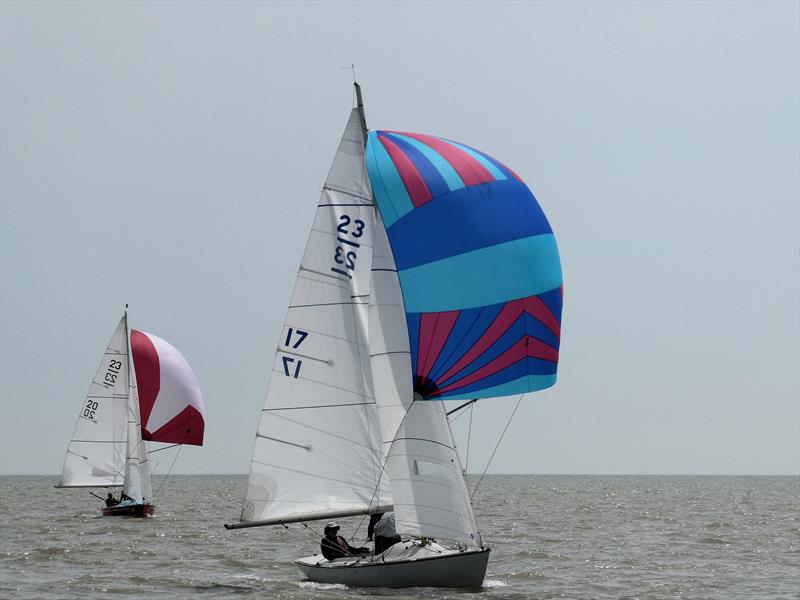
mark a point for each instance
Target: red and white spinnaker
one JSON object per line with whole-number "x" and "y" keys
{"x": 170, "y": 401}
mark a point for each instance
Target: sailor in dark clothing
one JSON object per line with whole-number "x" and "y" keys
{"x": 335, "y": 546}
{"x": 110, "y": 500}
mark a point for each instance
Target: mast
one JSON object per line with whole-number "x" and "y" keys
{"x": 360, "y": 106}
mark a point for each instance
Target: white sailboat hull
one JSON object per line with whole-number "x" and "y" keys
{"x": 411, "y": 566}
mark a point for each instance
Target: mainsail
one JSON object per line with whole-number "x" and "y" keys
{"x": 96, "y": 453}
{"x": 317, "y": 451}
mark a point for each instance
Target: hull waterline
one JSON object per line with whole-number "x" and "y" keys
{"x": 465, "y": 569}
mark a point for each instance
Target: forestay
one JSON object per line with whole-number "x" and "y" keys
{"x": 427, "y": 485}
{"x": 96, "y": 453}
{"x": 317, "y": 449}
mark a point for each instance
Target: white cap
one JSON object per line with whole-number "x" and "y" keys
{"x": 332, "y": 525}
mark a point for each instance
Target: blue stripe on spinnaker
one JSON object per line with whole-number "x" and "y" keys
{"x": 412, "y": 321}
{"x": 387, "y": 185}
{"x": 506, "y": 172}
{"x": 499, "y": 273}
{"x": 469, "y": 328}
{"x": 504, "y": 343}
{"x": 430, "y": 174}
{"x": 481, "y": 158}
{"x": 465, "y": 220}
{"x": 447, "y": 172}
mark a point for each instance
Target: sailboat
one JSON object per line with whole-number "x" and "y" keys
{"x": 430, "y": 273}
{"x": 144, "y": 390}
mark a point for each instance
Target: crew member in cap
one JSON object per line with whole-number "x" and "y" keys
{"x": 335, "y": 546}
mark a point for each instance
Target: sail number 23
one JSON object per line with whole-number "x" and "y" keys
{"x": 344, "y": 255}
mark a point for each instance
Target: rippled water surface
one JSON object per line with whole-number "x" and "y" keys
{"x": 551, "y": 537}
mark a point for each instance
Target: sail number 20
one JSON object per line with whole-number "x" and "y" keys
{"x": 344, "y": 255}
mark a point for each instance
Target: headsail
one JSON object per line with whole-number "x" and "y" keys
{"x": 422, "y": 465}
{"x": 477, "y": 263}
{"x": 317, "y": 450}
{"x": 96, "y": 454}
{"x": 170, "y": 401}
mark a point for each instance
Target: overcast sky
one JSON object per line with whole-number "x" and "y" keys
{"x": 170, "y": 155}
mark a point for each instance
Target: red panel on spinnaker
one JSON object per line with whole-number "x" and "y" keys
{"x": 170, "y": 401}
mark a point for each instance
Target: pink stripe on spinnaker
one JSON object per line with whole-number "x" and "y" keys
{"x": 536, "y": 307}
{"x": 525, "y": 347}
{"x": 148, "y": 373}
{"x": 471, "y": 171}
{"x": 415, "y": 184}
{"x": 510, "y": 312}
{"x": 435, "y": 328}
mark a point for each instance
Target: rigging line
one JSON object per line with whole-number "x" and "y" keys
{"x": 477, "y": 485}
{"x": 327, "y": 304}
{"x": 163, "y": 481}
{"x": 316, "y": 406}
{"x": 160, "y": 449}
{"x": 469, "y": 436}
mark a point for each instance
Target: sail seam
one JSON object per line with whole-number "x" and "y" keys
{"x": 418, "y": 440}
{"x": 331, "y": 188}
{"x": 322, "y": 383}
{"x": 336, "y": 479}
{"x": 318, "y": 406}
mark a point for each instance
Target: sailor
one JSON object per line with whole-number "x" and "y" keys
{"x": 385, "y": 534}
{"x": 335, "y": 546}
{"x": 373, "y": 520}
{"x": 110, "y": 500}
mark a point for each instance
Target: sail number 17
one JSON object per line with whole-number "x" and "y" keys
{"x": 291, "y": 365}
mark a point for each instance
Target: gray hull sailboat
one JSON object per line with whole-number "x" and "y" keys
{"x": 430, "y": 274}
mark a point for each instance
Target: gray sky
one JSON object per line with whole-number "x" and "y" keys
{"x": 170, "y": 155}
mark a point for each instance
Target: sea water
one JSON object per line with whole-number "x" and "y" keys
{"x": 551, "y": 537}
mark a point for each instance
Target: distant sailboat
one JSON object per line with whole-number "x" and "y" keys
{"x": 430, "y": 274}
{"x": 153, "y": 397}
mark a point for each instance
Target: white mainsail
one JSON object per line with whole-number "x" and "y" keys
{"x": 427, "y": 486}
{"x": 96, "y": 453}
{"x": 317, "y": 451}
